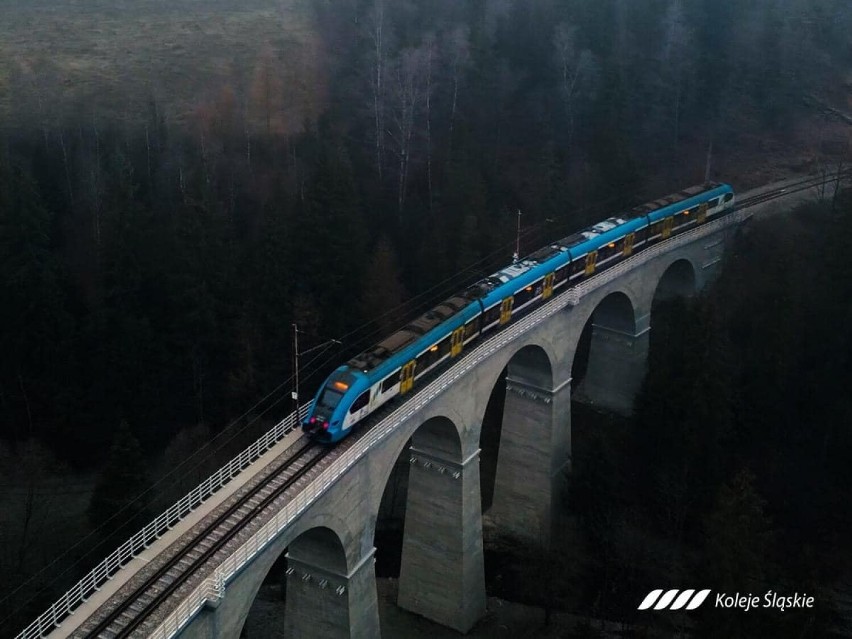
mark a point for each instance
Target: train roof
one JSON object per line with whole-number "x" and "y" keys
{"x": 378, "y": 354}
{"x": 588, "y": 239}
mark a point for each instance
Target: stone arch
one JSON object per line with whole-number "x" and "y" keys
{"x": 319, "y": 585}
{"x": 615, "y": 312}
{"x": 322, "y": 548}
{"x": 610, "y": 354}
{"x": 531, "y": 364}
{"x": 678, "y": 280}
{"x": 533, "y": 360}
{"x": 438, "y": 434}
{"x": 315, "y": 547}
{"x": 534, "y": 446}
{"x": 441, "y": 575}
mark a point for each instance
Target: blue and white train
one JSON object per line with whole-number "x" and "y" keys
{"x": 394, "y": 366}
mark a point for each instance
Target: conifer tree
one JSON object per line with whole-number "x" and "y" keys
{"x": 119, "y": 503}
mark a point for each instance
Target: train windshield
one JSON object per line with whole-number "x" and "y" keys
{"x": 330, "y": 398}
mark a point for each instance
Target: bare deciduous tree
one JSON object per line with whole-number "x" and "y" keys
{"x": 458, "y": 52}
{"x": 675, "y": 58}
{"x": 408, "y": 91}
{"x": 573, "y": 68}
{"x": 376, "y": 24}
{"x": 429, "y": 43}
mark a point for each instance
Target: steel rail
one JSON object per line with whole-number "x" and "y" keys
{"x": 795, "y": 187}
{"x": 79, "y": 594}
{"x": 220, "y": 531}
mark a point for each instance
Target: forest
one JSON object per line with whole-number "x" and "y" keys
{"x": 734, "y": 471}
{"x": 161, "y": 231}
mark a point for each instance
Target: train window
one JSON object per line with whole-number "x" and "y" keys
{"x": 712, "y": 204}
{"x": 729, "y": 197}
{"x": 491, "y": 315}
{"x": 433, "y": 354}
{"x": 423, "y": 361}
{"x": 524, "y": 295}
{"x": 561, "y": 274}
{"x": 330, "y": 398}
{"x": 358, "y": 404}
{"x": 608, "y": 250}
{"x": 471, "y": 328}
{"x": 390, "y": 382}
{"x": 578, "y": 266}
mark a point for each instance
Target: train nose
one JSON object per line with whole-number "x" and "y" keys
{"x": 315, "y": 424}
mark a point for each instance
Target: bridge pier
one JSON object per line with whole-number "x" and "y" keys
{"x": 442, "y": 576}
{"x": 323, "y": 601}
{"x": 617, "y": 365}
{"x": 534, "y": 459}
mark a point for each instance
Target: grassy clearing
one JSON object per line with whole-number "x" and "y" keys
{"x": 108, "y": 58}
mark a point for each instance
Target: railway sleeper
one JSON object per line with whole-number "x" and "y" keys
{"x": 205, "y": 544}
{"x": 247, "y": 509}
{"x": 172, "y": 575}
{"x": 137, "y": 606}
{"x": 265, "y": 492}
{"x": 253, "y": 504}
{"x": 186, "y": 563}
{"x": 214, "y": 536}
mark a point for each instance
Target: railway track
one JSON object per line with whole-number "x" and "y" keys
{"x": 134, "y": 609}
{"x": 794, "y": 187}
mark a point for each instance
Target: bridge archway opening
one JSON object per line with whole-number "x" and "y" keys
{"x": 674, "y": 296}
{"x": 438, "y": 436}
{"x": 529, "y": 367}
{"x": 678, "y": 281}
{"x": 317, "y": 550}
{"x": 489, "y": 439}
{"x": 615, "y": 315}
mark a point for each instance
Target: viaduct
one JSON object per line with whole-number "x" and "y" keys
{"x": 326, "y": 522}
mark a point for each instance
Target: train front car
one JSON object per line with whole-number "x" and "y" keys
{"x": 338, "y": 404}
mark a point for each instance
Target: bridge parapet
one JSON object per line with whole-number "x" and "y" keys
{"x": 121, "y": 556}
{"x": 575, "y": 294}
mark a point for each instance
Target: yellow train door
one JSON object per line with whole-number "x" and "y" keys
{"x": 457, "y": 342}
{"x": 406, "y": 378}
{"x": 506, "y": 309}
{"x": 547, "y": 291}
{"x": 702, "y": 212}
{"x": 591, "y": 261}
{"x": 629, "y": 239}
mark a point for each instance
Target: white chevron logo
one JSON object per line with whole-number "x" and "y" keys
{"x": 671, "y": 600}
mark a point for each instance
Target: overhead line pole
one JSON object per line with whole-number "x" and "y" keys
{"x": 295, "y": 393}
{"x": 296, "y": 353}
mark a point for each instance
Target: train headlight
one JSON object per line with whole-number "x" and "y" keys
{"x": 313, "y": 420}
{"x": 325, "y": 425}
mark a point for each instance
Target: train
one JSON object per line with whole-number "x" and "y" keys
{"x": 394, "y": 366}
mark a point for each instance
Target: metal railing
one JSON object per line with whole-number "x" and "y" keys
{"x": 195, "y": 600}
{"x": 577, "y": 292}
{"x": 122, "y": 555}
